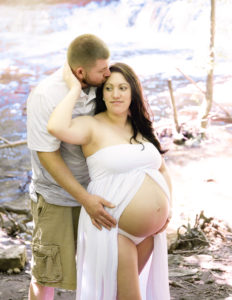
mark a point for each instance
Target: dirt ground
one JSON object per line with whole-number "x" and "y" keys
{"x": 201, "y": 182}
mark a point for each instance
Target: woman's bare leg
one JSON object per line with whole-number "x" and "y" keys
{"x": 144, "y": 250}
{"x": 127, "y": 276}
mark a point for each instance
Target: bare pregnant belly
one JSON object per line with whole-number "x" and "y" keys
{"x": 148, "y": 210}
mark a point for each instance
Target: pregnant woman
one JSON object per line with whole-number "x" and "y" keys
{"x": 126, "y": 168}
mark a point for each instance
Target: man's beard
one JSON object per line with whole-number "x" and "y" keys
{"x": 90, "y": 83}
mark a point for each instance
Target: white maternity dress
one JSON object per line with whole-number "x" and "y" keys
{"x": 116, "y": 173}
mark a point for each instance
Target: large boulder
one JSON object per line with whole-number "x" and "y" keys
{"x": 12, "y": 257}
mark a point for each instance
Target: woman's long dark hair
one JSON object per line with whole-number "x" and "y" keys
{"x": 139, "y": 116}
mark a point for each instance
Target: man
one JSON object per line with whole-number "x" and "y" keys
{"x": 60, "y": 174}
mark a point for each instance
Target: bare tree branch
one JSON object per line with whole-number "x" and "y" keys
{"x": 11, "y": 144}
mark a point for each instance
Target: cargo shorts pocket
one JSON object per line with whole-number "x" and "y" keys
{"x": 46, "y": 263}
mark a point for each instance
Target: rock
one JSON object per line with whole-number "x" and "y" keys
{"x": 182, "y": 272}
{"x": 16, "y": 270}
{"x": 171, "y": 236}
{"x": 12, "y": 257}
{"x": 12, "y": 253}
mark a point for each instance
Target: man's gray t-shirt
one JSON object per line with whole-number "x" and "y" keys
{"x": 40, "y": 104}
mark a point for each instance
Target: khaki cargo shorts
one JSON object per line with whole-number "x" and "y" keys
{"x": 54, "y": 243}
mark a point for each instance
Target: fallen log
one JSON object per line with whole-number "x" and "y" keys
{"x": 16, "y": 210}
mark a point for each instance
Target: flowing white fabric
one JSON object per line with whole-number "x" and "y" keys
{"x": 116, "y": 174}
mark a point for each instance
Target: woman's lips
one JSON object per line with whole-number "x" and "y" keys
{"x": 116, "y": 102}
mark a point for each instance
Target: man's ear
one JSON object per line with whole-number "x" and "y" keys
{"x": 79, "y": 72}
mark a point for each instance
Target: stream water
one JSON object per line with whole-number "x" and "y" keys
{"x": 154, "y": 37}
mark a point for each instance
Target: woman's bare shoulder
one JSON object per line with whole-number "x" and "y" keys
{"x": 100, "y": 116}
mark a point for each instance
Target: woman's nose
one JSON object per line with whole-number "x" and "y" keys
{"x": 115, "y": 93}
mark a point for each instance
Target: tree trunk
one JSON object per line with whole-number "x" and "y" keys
{"x": 173, "y": 106}
{"x": 209, "y": 81}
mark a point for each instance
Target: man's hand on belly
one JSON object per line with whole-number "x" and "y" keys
{"x": 99, "y": 216}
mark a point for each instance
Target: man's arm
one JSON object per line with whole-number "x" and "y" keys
{"x": 55, "y": 165}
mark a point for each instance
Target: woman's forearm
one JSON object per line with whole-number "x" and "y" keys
{"x": 60, "y": 119}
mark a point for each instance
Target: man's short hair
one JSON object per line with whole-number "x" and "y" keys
{"x": 85, "y": 50}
